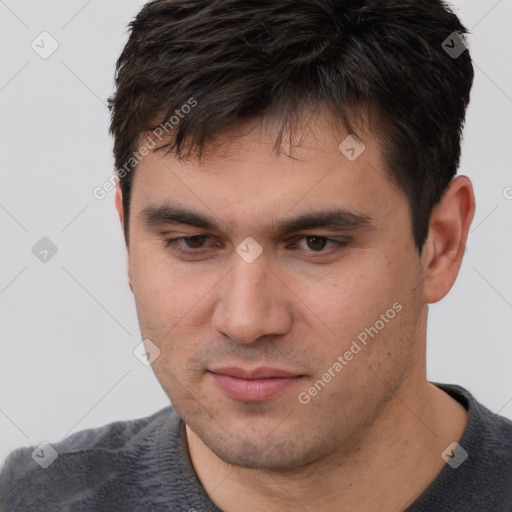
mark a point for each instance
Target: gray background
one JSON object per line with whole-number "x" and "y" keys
{"x": 69, "y": 326}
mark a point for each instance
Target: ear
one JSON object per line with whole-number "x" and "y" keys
{"x": 119, "y": 203}
{"x": 120, "y": 213}
{"x": 446, "y": 242}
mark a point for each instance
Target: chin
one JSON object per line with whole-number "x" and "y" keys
{"x": 262, "y": 453}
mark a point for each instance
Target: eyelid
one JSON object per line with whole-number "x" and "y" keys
{"x": 173, "y": 241}
{"x": 297, "y": 236}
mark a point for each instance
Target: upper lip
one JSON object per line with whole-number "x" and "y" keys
{"x": 257, "y": 373}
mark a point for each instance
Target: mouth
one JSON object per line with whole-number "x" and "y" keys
{"x": 258, "y": 385}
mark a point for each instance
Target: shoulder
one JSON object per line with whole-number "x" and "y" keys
{"x": 81, "y": 466}
{"x": 486, "y": 429}
{"x": 482, "y": 479}
{"x": 489, "y": 435}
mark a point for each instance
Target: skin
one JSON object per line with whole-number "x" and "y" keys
{"x": 372, "y": 439}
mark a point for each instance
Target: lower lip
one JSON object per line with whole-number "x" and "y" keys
{"x": 253, "y": 390}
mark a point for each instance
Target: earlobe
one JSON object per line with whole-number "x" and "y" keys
{"x": 448, "y": 232}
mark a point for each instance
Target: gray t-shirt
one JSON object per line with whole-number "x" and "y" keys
{"x": 143, "y": 465}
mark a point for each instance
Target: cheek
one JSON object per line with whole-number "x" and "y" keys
{"x": 160, "y": 295}
{"x": 172, "y": 304}
{"x": 349, "y": 299}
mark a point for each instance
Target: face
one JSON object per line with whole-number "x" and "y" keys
{"x": 282, "y": 291}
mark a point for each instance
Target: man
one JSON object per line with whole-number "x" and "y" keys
{"x": 288, "y": 196}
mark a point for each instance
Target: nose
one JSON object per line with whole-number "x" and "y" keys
{"x": 252, "y": 303}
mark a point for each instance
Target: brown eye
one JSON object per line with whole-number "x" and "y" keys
{"x": 195, "y": 242}
{"x": 319, "y": 246}
{"x": 316, "y": 243}
{"x": 187, "y": 244}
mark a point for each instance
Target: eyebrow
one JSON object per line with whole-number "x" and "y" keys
{"x": 334, "y": 219}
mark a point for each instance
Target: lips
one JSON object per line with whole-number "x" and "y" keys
{"x": 258, "y": 373}
{"x": 258, "y": 385}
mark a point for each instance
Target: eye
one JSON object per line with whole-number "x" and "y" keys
{"x": 192, "y": 243}
{"x": 317, "y": 244}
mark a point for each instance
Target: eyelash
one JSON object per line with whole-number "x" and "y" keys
{"x": 174, "y": 244}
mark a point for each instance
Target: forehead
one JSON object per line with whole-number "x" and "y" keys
{"x": 242, "y": 176}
